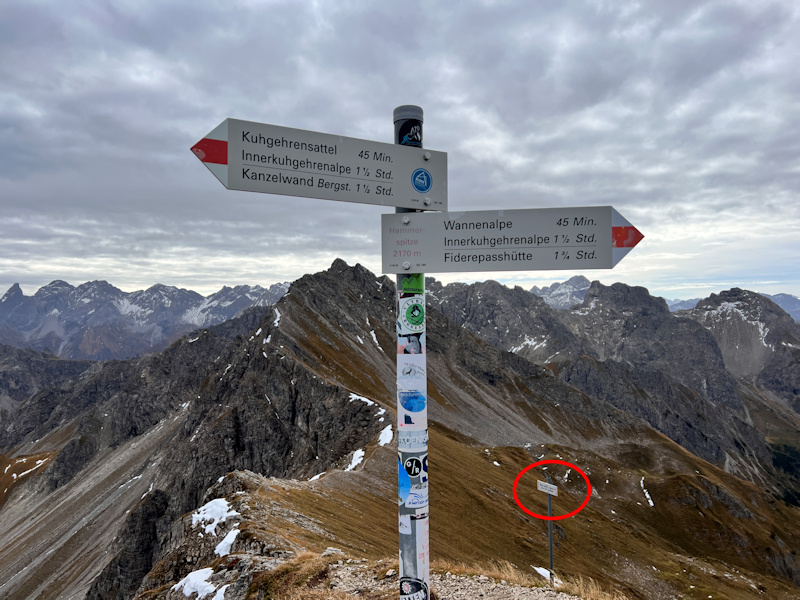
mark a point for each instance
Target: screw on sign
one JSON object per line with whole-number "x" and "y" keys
{"x": 551, "y": 490}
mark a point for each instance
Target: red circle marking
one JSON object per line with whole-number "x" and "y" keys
{"x": 552, "y": 462}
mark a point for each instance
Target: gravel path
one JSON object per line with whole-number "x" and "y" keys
{"x": 358, "y": 579}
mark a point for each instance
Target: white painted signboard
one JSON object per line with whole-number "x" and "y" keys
{"x": 548, "y": 488}
{"x": 594, "y": 237}
{"x": 258, "y": 157}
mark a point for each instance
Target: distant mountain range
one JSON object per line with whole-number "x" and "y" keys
{"x": 573, "y": 291}
{"x": 98, "y": 321}
{"x": 252, "y": 441}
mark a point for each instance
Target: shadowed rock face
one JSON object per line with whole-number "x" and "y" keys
{"x": 23, "y": 372}
{"x": 139, "y": 540}
{"x": 624, "y": 346}
{"x": 758, "y": 340}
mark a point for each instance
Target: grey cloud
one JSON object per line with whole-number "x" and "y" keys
{"x": 670, "y": 111}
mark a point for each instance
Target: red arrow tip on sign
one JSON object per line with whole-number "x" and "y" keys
{"x": 212, "y": 151}
{"x": 625, "y": 237}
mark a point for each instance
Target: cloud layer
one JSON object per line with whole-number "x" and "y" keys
{"x": 681, "y": 115}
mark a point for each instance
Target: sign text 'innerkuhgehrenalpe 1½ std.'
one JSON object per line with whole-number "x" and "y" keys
{"x": 326, "y": 174}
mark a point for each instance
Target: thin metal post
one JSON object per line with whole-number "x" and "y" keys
{"x": 412, "y": 405}
{"x": 550, "y": 529}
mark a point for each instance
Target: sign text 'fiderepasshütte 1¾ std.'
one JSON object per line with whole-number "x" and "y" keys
{"x": 527, "y": 239}
{"x": 294, "y": 162}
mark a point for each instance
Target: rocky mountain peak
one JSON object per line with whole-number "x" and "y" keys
{"x": 566, "y": 294}
{"x": 751, "y": 330}
{"x": 13, "y": 295}
{"x": 625, "y": 299}
{"x": 744, "y": 304}
{"x": 57, "y": 287}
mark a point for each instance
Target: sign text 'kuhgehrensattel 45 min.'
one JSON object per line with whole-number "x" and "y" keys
{"x": 257, "y": 157}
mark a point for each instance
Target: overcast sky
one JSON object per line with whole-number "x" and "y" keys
{"x": 682, "y": 115}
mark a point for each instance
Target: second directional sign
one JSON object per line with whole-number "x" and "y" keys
{"x": 258, "y": 157}
{"x": 595, "y": 237}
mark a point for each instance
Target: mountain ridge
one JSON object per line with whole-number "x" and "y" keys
{"x": 98, "y": 321}
{"x": 571, "y": 292}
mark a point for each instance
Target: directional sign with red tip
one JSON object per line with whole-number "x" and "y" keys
{"x": 624, "y": 236}
{"x": 592, "y": 237}
{"x": 257, "y": 157}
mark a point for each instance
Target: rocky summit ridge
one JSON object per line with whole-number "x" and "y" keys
{"x": 242, "y": 446}
{"x": 571, "y": 292}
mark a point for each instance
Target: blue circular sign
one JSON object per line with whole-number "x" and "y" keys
{"x": 422, "y": 181}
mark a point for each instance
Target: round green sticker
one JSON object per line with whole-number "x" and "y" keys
{"x": 413, "y": 314}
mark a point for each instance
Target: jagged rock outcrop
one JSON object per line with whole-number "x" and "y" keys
{"x": 23, "y": 372}
{"x": 207, "y": 405}
{"x": 139, "y": 541}
{"x": 758, "y": 340}
{"x": 510, "y": 319}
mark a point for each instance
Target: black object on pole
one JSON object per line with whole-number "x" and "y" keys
{"x": 412, "y": 405}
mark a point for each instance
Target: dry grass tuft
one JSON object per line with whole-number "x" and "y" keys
{"x": 306, "y": 577}
{"x": 588, "y": 589}
{"x": 498, "y": 570}
{"x": 305, "y": 571}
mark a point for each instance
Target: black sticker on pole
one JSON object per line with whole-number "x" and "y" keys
{"x": 413, "y": 589}
{"x": 409, "y": 133}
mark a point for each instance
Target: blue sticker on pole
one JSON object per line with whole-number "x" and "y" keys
{"x": 412, "y": 400}
{"x": 422, "y": 181}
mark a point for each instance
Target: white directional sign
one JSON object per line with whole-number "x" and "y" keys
{"x": 595, "y": 237}
{"x": 548, "y": 488}
{"x": 257, "y": 157}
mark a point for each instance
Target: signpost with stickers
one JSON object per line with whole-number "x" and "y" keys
{"x": 259, "y": 157}
{"x": 412, "y": 400}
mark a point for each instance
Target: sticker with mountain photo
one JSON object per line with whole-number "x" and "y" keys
{"x": 411, "y": 410}
{"x": 411, "y": 344}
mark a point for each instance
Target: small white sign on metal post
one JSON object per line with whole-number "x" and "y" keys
{"x": 548, "y": 488}
{"x": 551, "y": 490}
